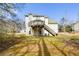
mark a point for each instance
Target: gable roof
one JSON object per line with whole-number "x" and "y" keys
{"x": 75, "y": 22}
{"x": 52, "y": 21}
{"x": 35, "y": 15}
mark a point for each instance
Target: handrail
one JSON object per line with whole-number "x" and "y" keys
{"x": 49, "y": 30}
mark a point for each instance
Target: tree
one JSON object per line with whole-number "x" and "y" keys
{"x": 68, "y": 28}
{"x": 8, "y": 11}
{"x": 63, "y": 24}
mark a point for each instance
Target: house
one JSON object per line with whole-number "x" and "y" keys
{"x": 40, "y": 25}
{"x": 75, "y": 26}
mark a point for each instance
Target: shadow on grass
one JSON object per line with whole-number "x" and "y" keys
{"x": 6, "y": 44}
{"x": 45, "y": 49}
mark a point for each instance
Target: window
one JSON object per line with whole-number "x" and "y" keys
{"x": 29, "y": 32}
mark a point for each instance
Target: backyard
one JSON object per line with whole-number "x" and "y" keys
{"x": 22, "y": 45}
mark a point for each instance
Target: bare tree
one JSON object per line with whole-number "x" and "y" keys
{"x": 8, "y": 10}
{"x": 63, "y": 24}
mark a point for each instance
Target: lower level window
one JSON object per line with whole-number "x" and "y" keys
{"x": 29, "y": 32}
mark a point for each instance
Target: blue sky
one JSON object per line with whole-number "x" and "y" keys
{"x": 53, "y": 10}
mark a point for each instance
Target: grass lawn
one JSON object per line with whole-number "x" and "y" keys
{"x": 22, "y": 45}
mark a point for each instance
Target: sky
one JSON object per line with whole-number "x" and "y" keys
{"x": 55, "y": 11}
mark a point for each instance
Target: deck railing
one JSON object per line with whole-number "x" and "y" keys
{"x": 36, "y": 23}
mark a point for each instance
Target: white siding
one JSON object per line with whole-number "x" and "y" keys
{"x": 76, "y": 27}
{"x": 26, "y": 25}
{"x": 54, "y": 27}
{"x": 42, "y": 18}
{"x": 46, "y": 20}
{"x": 30, "y": 17}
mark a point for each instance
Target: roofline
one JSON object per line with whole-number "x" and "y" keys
{"x": 75, "y": 23}
{"x": 35, "y": 15}
{"x": 52, "y": 23}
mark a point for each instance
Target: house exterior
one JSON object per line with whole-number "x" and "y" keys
{"x": 75, "y": 27}
{"x": 40, "y": 25}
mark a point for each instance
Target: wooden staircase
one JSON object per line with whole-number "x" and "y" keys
{"x": 49, "y": 30}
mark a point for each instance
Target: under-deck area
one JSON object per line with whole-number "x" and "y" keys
{"x": 38, "y": 27}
